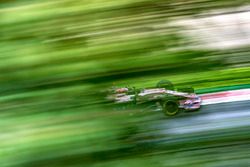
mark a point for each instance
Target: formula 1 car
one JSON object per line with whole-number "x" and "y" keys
{"x": 163, "y": 95}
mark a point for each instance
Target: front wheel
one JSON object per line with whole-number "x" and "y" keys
{"x": 170, "y": 108}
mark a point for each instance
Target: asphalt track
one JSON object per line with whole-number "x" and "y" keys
{"x": 210, "y": 118}
{"x": 223, "y": 119}
{"x": 216, "y": 136}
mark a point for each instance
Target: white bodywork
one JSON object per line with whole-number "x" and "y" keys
{"x": 149, "y": 93}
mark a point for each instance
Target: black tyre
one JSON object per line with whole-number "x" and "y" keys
{"x": 186, "y": 90}
{"x": 165, "y": 84}
{"x": 170, "y": 108}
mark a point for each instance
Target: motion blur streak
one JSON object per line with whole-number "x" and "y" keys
{"x": 58, "y": 57}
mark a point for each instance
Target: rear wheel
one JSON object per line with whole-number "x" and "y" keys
{"x": 170, "y": 108}
{"x": 186, "y": 89}
{"x": 165, "y": 84}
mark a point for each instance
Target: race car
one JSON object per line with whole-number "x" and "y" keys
{"x": 164, "y": 95}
